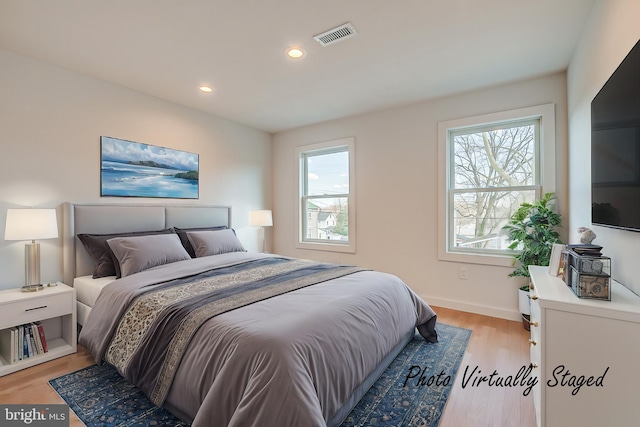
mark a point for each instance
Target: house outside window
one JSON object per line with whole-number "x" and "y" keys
{"x": 489, "y": 165}
{"x": 327, "y": 201}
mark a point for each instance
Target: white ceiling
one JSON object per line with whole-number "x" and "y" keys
{"x": 406, "y": 51}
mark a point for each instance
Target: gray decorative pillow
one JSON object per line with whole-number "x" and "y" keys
{"x": 182, "y": 233}
{"x": 96, "y": 246}
{"x": 206, "y": 243}
{"x": 139, "y": 253}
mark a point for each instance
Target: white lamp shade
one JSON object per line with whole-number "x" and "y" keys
{"x": 261, "y": 218}
{"x": 31, "y": 224}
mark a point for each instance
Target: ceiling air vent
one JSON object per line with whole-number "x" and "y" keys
{"x": 334, "y": 35}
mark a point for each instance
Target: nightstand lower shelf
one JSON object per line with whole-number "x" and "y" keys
{"x": 57, "y": 348}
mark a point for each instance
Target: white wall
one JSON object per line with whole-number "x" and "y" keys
{"x": 396, "y": 178}
{"x": 612, "y": 30}
{"x": 51, "y": 121}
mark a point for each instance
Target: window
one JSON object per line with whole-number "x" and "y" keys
{"x": 327, "y": 188}
{"x": 490, "y": 165}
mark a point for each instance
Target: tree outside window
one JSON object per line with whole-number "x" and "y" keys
{"x": 493, "y": 170}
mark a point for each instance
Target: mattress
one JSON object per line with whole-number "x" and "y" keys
{"x": 87, "y": 291}
{"x": 88, "y": 288}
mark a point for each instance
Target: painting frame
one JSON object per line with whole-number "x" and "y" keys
{"x": 135, "y": 169}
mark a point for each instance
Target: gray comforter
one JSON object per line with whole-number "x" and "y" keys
{"x": 290, "y": 360}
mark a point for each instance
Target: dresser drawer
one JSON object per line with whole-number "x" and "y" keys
{"x": 535, "y": 349}
{"x": 34, "y": 309}
{"x": 535, "y": 323}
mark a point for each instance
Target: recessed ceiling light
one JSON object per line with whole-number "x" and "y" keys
{"x": 295, "y": 52}
{"x": 205, "y": 89}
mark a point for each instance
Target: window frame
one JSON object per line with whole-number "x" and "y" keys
{"x": 328, "y": 147}
{"x": 546, "y": 170}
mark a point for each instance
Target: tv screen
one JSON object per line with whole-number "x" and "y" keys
{"x": 615, "y": 147}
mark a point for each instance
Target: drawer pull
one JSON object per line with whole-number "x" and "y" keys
{"x": 535, "y": 324}
{"x": 533, "y": 297}
{"x": 533, "y": 342}
{"x": 531, "y": 286}
{"x": 36, "y": 308}
{"x": 533, "y": 365}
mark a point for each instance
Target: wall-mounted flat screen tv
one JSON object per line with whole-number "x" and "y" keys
{"x": 615, "y": 147}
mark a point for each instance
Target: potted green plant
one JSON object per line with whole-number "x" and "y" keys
{"x": 532, "y": 232}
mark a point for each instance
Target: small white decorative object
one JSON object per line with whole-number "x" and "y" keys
{"x": 586, "y": 235}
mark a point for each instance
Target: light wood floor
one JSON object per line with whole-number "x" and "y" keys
{"x": 495, "y": 344}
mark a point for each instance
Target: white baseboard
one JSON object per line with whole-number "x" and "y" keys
{"x": 473, "y": 308}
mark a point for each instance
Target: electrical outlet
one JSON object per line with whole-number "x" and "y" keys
{"x": 463, "y": 273}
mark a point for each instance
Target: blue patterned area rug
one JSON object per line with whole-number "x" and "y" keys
{"x": 411, "y": 392}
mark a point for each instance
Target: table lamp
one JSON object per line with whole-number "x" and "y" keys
{"x": 31, "y": 224}
{"x": 262, "y": 219}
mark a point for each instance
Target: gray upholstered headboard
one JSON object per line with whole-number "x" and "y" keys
{"x": 116, "y": 218}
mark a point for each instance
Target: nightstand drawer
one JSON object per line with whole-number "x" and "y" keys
{"x": 34, "y": 309}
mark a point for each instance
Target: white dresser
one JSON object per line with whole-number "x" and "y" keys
{"x": 588, "y": 339}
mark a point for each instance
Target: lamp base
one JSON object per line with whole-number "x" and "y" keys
{"x": 32, "y": 263}
{"x": 32, "y": 288}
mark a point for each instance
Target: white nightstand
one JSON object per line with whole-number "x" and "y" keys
{"x": 54, "y": 307}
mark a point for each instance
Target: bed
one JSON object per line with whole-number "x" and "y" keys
{"x": 244, "y": 339}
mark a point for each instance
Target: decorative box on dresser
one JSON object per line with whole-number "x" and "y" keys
{"x": 54, "y": 307}
{"x": 574, "y": 341}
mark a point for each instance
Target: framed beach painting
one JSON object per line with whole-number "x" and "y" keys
{"x": 133, "y": 169}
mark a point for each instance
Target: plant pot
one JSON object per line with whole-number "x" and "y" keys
{"x": 524, "y": 305}
{"x": 523, "y": 301}
{"x": 525, "y": 322}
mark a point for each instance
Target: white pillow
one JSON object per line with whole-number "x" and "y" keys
{"x": 139, "y": 253}
{"x": 206, "y": 243}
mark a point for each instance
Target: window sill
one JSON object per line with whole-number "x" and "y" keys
{"x": 350, "y": 248}
{"x": 496, "y": 260}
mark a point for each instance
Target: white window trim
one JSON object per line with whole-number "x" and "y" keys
{"x": 546, "y": 114}
{"x": 321, "y": 246}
